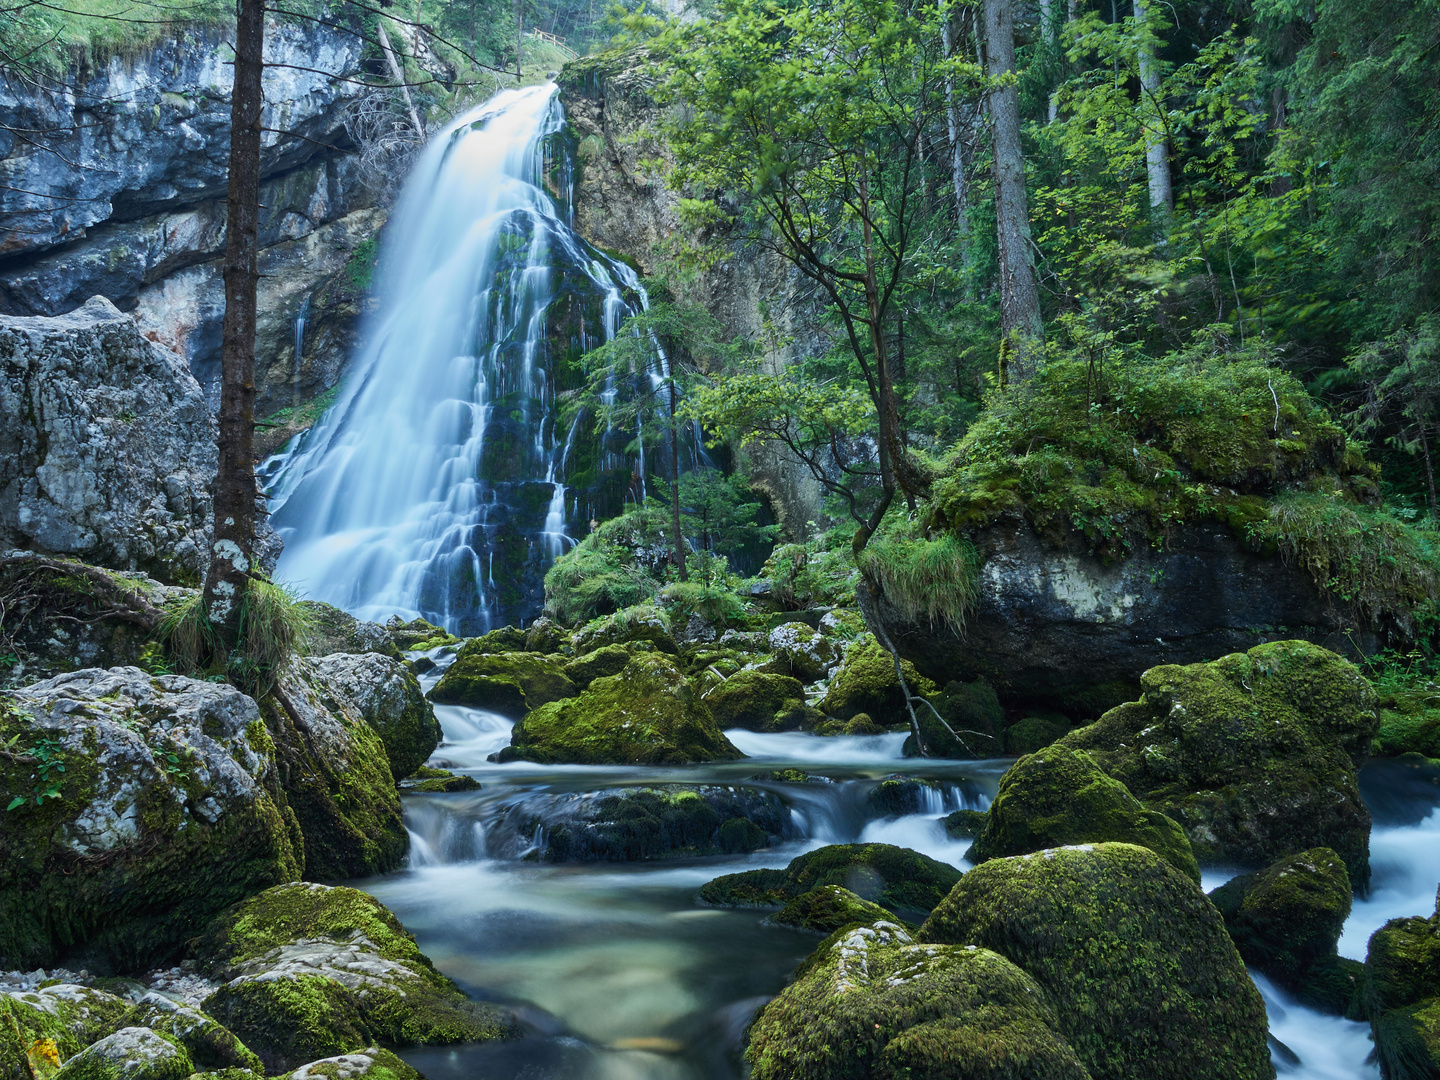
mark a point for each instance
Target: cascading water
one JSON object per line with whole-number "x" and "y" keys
{"x": 444, "y": 480}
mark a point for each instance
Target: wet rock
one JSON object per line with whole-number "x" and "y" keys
{"x": 1255, "y": 754}
{"x": 606, "y": 660}
{"x": 371, "y": 1063}
{"x": 965, "y": 824}
{"x": 313, "y": 971}
{"x": 545, "y": 635}
{"x": 1410, "y": 722}
{"x": 419, "y": 634}
{"x": 1031, "y": 733}
{"x": 389, "y": 697}
{"x": 648, "y": 714}
{"x": 1057, "y": 796}
{"x": 1144, "y": 979}
{"x": 336, "y": 631}
{"x": 899, "y": 795}
{"x": 859, "y": 724}
{"x": 759, "y": 702}
{"x": 132, "y": 1053}
{"x": 337, "y": 778}
{"x": 635, "y": 824}
{"x": 828, "y": 908}
{"x": 107, "y": 449}
{"x": 209, "y": 1044}
{"x": 169, "y": 809}
{"x": 1402, "y": 996}
{"x": 426, "y": 779}
{"x": 976, "y": 723}
{"x": 896, "y": 878}
{"x": 874, "y": 1002}
{"x": 632, "y": 624}
{"x": 1286, "y": 921}
{"x": 866, "y": 682}
{"x": 511, "y": 683}
{"x": 809, "y": 653}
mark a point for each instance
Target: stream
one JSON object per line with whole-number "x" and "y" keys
{"x": 618, "y": 973}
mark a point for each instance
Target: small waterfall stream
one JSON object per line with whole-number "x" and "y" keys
{"x": 445, "y": 479}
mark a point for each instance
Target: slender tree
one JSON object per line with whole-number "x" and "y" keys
{"x": 1157, "y": 144}
{"x": 235, "y": 508}
{"x": 1019, "y": 294}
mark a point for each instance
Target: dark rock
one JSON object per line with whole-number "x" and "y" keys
{"x": 389, "y": 697}
{"x": 419, "y": 634}
{"x": 1254, "y": 754}
{"x": 973, "y": 712}
{"x": 759, "y": 702}
{"x": 965, "y": 824}
{"x": 1144, "y": 979}
{"x": 897, "y": 796}
{"x": 1058, "y": 797}
{"x": 1402, "y": 996}
{"x": 1030, "y": 733}
{"x": 438, "y": 781}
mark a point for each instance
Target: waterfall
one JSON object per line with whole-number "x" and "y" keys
{"x": 444, "y": 480}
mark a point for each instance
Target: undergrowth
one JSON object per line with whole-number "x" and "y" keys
{"x": 932, "y": 579}
{"x": 275, "y": 628}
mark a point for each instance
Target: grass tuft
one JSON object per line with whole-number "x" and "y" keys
{"x": 275, "y": 628}
{"x": 937, "y": 580}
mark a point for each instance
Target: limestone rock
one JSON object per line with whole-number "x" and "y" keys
{"x": 371, "y": 1063}
{"x": 1057, "y": 797}
{"x": 107, "y": 450}
{"x": 209, "y": 1044}
{"x": 313, "y": 971}
{"x": 419, "y": 634}
{"x": 389, "y": 697}
{"x": 167, "y": 811}
{"x": 809, "y": 653}
{"x": 1144, "y": 979}
{"x": 875, "y": 1003}
{"x": 337, "y": 631}
{"x": 132, "y": 1053}
{"x": 632, "y": 624}
{"x": 1255, "y": 754}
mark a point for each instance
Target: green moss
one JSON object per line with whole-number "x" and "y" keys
{"x": 1032, "y": 733}
{"x": 758, "y": 702}
{"x": 129, "y": 1054}
{"x": 511, "y": 683}
{"x": 827, "y": 909}
{"x": 642, "y": 623}
{"x": 1255, "y": 754}
{"x": 859, "y": 724}
{"x": 606, "y": 660}
{"x": 965, "y": 824}
{"x": 1334, "y": 985}
{"x": 1145, "y": 981}
{"x": 1407, "y": 1041}
{"x": 22, "y": 1026}
{"x": 428, "y": 780}
{"x": 866, "y": 682}
{"x": 209, "y": 1044}
{"x": 1402, "y": 966}
{"x": 973, "y": 712}
{"x": 378, "y": 1064}
{"x": 1409, "y": 717}
{"x": 408, "y": 636}
{"x": 1058, "y": 796}
{"x": 1287, "y": 918}
{"x": 897, "y": 796}
{"x": 936, "y": 580}
{"x": 606, "y": 572}
{"x": 648, "y": 714}
{"x": 896, "y": 878}
{"x": 873, "y": 1003}
{"x": 291, "y": 1021}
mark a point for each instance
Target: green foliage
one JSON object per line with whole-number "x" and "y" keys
{"x": 361, "y": 267}
{"x": 932, "y": 579}
{"x": 816, "y": 573}
{"x": 275, "y": 627}
{"x": 44, "y": 754}
{"x": 618, "y": 565}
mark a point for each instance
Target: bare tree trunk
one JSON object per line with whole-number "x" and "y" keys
{"x": 957, "y": 151}
{"x": 234, "y": 537}
{"x": 519, "y": 36}
{"x": 1429, "y": 475}
{"x": 1157, "y": 151}
{"x": 398, "y": 74}
{"x": 1019, "y": 295}
{"x": 678, "y": 550}
{"x": 1052, "y": 43}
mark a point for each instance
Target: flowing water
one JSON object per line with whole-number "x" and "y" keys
{"x": 448, "y": 476}
{"x": 616, "y": 969}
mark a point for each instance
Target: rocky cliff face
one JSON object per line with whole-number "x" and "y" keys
{"x": 620, "y": 207}
{"x": 122, "y": 194}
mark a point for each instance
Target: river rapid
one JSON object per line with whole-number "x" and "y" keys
{"x": 619, "y": 973}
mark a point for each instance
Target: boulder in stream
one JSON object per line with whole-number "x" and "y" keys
{"x": 828, "y": 909}
{"x": 756, "y": 701}
{"x": 1144, "y": 980}
{"x": 1402, "y": 996}
{"x": 1255, "y": 754}
{"x": 977, "y": 723}
{"x": 808, "y": 653}
{"x": 866, "y": 683}
{"x": 312, "y": 971}
{"x": 510, "y": 683}
{"x": 389, "y": 697}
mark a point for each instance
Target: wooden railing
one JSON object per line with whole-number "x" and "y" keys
{"x": 558, "y": 42}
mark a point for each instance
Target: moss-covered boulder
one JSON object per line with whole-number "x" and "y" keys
{"x": 1031, "y": 733}
{"x": 859, "y": 724}
{"x": 649, "y": 714}
{"x": 389, "y": 697}
{"x": 169, "y": 808}
{"x": 606, "y": 660}
{"x": 87, "y": 1013}
{"x": 1410, "y": 721}
{"x": 209, "y": 1044}
{"x": 874, "y": 1003}
{"x": 631, "y": 824}
{"x": 418, "y": 634}
{"x": 428, "y": 780}
{"x": 1407, "y": 1041}
{"x": 1402, "y": 996}
{"x": 828, "y": 908}
{"x": 336, "y": 631}
{"x": 337, "y": 777}
{"x": 510, "y": 684}
{"x": 965, "y": 824}
{"x": 1255, "y": 754}
{"x": 1286, "y": 919}
{"x": 32, "y": 1038}
{"x": 545, "y": 635}
{"x": 1058, "y": 796}
{"x": 311, "y": 971}
{"x": 866, "y": 682}
{"x": 896, "y": 878}
{"x": 809, "y": 654}
{"x": 642, "y": 623}
{"x": 372, "y": 1063}
{"x": 759, "y": 702}
{"x": 132, "y": 1053}
{"x": 1145, "y": 981}
{"x": 976, "y": 723}
{"x": 899, "y": 795}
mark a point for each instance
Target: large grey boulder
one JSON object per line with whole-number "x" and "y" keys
{"x": 107, "y": 450}
{"x": 389, "y": 697}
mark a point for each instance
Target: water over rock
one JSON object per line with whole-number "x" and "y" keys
{"x": 1402, "y": 996}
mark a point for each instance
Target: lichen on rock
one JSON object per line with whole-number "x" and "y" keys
{"x": 389, "y": 697}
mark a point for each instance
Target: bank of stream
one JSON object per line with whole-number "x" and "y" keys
{"x": 620, "y": 973}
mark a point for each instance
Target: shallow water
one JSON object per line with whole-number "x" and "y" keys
{"x": 617, "y": 971}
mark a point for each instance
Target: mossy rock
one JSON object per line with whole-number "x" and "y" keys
{"x": 1402, "y": 966}
{"x": 27, "y": 1030}
{"x": 336, "y": 631}
{"x": 874, "y": 1003}
{"x": 604, "y": 661}
{"x": 649, "y": 714}
{"x": 438, "y": 781}
{"x": 511, "y": 684}
{"x": 965, "y": 824}
{"x": 209, "y": 1044}
{"x": 417, "y": 633}
{"x": 1334, "y": 985}
{"x": 642, "y": 623}
{"x": 758, "y": 702}
{"x": 807, "y": 653}
{"x": 896, "y": 878}
{"x": 389, "y": 698}
{"x": 898, "y": 796}
{"x": 88, "y": 1013}
{"x": 312, "y": 971}
{"x": 1144, "y": 979}
{"x": 1407, "y": 1041}
{"x": 1255, "y": 754}
{"x": 633, "y": 824}
{"x": 545, "y": 635}
{"x": 1288, "y": 917}
{"x": 132, "y": 1053}
{"x": 372, "y": 1063}
{"x": 794, "y": 776}
{"x": 1410, "y": 722}
{"x": 1058, "y": 796}
{"x": 1032, "y": 733}
{"x": 866, "y": 683}
{"x": 828, "y": 908}
{"x": 973, "y": 712}
{"x": 859, "y": 724}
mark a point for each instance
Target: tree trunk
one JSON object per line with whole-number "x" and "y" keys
{"x": 235, "y": 510}
{"x": 1019, "y": 295}
{"x": 678, "y": 550}
{"x": 519, "y": 36}
{"x": 957, "y": 152}
{"x": 398, "y": 74}
{"x": 1429, "y": 475}
{"x": 1157, "y": 151}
